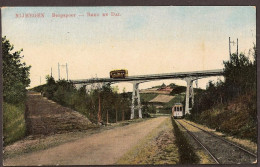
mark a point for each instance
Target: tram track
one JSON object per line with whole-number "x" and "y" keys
{"x": 221, "y": 150}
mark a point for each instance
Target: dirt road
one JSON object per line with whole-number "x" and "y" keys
{"x": 98, "y": 149}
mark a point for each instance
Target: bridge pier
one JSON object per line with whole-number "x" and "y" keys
{"x": 189, "y": 77}
{"x": 189, "y": 94}
{"x": 136, "y": 96}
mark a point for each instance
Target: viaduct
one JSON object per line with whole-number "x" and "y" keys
{"x": 136, "y": 80}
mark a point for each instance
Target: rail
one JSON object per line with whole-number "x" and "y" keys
{"x": 241, "y": 148}
{"x": 209, "y": 145}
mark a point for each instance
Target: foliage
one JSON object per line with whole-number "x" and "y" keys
{"x": 114, "y": 106}
{"x": 240, "y": 78}
{"x": 172, "y": 85}
{"x": 240, "y": 74}
{"x": 238, "y": 89}
{"x": 163, "y": 85}
{"x": 50, "y": 87}
{"x": 146, "y": 108}
{"x": 14, "y": 127}
{"x": 15, "y": 74}
{"x": 178, "y": 90}
{"x": 15, "y": 81}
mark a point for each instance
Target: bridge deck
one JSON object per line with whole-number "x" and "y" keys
{"x": 179, "y": 75}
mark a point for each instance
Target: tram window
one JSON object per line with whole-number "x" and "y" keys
{"x": 180, "y": 108}
{"x": 177, "y": 108}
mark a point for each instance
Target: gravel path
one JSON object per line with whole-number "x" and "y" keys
{"x": 157, "y": 148}
{"x": 98, "y": 149}
{"x": 224, "y": 152}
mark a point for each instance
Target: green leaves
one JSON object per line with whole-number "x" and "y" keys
{"x": 240, "y": 78}
{"x": 15, "y": 74}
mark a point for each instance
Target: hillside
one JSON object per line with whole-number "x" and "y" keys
{"x": 162, "y": 97}
{"x": 235, "y": 118}
{"x": 44, "y": 116}
{"x": 230, "y": 106}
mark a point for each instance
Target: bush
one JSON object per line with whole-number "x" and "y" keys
{"x": 237, "y": 118}
{"x": 14, "y": 127}
{"x": 178, "y": 90}
{"x": 65, "y": 93}
{"x": 230, "y": 106}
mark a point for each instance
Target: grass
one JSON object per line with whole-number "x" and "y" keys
{"x": 167, "y": 108}
{"x": 147, "y": 150}
{"x": 237, "y": 118}
{"x": 186, "y": 151}
{"x": 14, "y": 127}
{"x": 177, "y": 99}
{"x": 146, "y": 97}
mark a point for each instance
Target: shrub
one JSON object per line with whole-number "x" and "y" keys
{"x": 14, "y": 127}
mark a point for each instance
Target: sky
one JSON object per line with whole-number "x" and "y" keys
{"x": 144, "y": 40}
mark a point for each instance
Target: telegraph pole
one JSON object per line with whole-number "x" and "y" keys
{"x": 237, "y": 47}
{"x": 230, "y": 48}
{"x": 67, "y": 71}
{"x": 59, "y": 71}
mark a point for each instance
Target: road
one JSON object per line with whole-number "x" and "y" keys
{"x": 98, "y": 149}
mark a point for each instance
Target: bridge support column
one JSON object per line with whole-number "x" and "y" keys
{"x": 136, "y": 95}
{"x": 189, "y": 94}
{"x": 192, "y": 95}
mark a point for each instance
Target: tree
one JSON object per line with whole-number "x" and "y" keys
{"x": 50, "y": 87}
{"x": 163, "y": 85}
{"x": 15, "y": 74}
{"x": 240, "y": 78}
{"x": 178, "y": 90}
{"x": 240, "y": 74}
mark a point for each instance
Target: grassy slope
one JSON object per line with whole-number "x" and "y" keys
{"x": 14, "y": 127}
{"x": 147, "y": 96}
{"x": 237, "y": 118}
{"x": 177, "y": 99}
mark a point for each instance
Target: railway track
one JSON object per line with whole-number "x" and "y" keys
{"x": 221, "y": 150}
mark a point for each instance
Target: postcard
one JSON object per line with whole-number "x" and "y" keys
{"x": 129, "y": 85}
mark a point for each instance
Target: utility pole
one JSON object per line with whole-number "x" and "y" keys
{"x": 230, "y": 48}
{"x": 67, "y": 71}
{"x": 99, "y": 109}
{"x": 51, "y": 71}
{"x": 59, "y": 71}
{"x": 237, "y": 47}
{"x": 107, "y": 116}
